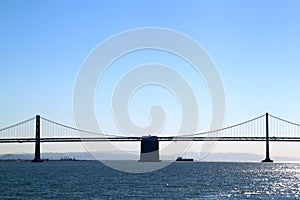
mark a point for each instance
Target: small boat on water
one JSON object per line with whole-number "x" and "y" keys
{"x": 185, "y": 159}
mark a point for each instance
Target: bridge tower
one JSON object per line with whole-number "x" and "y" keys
{"x": 37, "y": 154}
{"x": 149, "y": 149}
{"x": 267, "y": 159}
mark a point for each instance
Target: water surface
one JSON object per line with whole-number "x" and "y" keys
{"x": 194, "y": 180}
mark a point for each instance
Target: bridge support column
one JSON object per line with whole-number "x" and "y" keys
{"x": 37, "y": 154}
{"x": 267, "y": 159}
{"x": 149, "y": 149}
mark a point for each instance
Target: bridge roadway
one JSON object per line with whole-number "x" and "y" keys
{"x": 162, "y": 139}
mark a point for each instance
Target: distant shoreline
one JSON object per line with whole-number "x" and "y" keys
{"x": 118, "y": 156}
{"x": 171, "y": 161}
{"x": 46, "y": 160}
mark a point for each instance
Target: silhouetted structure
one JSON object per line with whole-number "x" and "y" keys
{"x": 256, "y": 129}
{"x": 149, "y": 149}
{"x": 267, "y": 159}
{"x": 37, "y": 154}
{"x": 184, "y": 159}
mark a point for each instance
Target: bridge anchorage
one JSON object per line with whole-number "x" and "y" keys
{"x": 149, "y": 149}
{"x": 254, "y": 130}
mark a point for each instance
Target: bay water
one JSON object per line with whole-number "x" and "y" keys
{"x": 180, "y": 180}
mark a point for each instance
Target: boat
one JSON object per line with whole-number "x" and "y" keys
{"x": 185, "y": 159}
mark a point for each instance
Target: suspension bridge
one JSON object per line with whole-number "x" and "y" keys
{"x": 39, "y": 130}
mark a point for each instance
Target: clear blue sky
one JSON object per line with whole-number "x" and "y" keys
{"x": 254, "y": 44}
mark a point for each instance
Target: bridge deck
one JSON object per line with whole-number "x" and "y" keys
{"x": 162, "y": 139}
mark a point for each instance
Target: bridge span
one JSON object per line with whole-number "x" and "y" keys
{"x": 264, "y": 128}
{"x": 161, "y": 139}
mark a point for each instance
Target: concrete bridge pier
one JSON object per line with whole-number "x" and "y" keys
{"x": 149, "y": 149}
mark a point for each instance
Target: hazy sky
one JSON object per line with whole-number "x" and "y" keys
{"x": 254, "y": 44}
